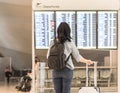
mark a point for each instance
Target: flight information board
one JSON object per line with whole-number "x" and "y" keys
{"x": 86, "y": 29}
{"x": 68, "y": 17}
{"x": 89, "y": 29}
{"x": 107, "y": 29}
{"x": 44, "y": 29}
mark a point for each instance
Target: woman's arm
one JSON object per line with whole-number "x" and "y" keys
{"x": 89, "y": 62}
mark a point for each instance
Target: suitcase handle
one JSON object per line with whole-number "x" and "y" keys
{"x": 95, "y": 74}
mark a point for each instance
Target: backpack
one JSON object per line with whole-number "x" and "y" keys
{"x": 56, "y": 58}
{"x": 25, "y": 84}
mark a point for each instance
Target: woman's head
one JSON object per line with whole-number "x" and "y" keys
{"x": 63, "y": 32}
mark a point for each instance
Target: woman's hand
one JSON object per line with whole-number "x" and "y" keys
{"x": 89, "y": 62}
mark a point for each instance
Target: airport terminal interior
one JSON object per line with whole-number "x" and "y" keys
{"x": 28, "y": 26}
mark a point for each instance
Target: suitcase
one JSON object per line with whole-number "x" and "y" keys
{"x": 90, "y": 89}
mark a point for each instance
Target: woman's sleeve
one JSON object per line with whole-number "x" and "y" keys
{"x": 51, "y": 43}
{"x": 48, "y": 52}
{"x": 75, "y": 53}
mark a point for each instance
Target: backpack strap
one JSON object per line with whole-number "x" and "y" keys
{"x": 67, "y": 58}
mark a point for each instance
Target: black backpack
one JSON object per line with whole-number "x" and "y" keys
{"x": 56, "y": 58}
{"x": 25, "y": 84}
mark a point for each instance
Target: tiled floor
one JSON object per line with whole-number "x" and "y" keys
{"x": 5, "y": 89}
{"x": 9, "y": 89}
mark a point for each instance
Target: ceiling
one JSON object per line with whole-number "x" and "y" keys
{"x": 17, "y": 2}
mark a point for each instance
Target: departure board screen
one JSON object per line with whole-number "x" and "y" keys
{"x": 86, "y": 29}
{"x": 107, "y": 29}
{"x": 44, "y": 29}
{"x": 89, "y": 29}
{"x": 68, "y": 17}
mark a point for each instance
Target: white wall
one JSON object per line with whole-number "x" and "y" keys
{"x": 75, "y": 4}
{"x": 16, "y": 34}
{"x": 15, "y": 27}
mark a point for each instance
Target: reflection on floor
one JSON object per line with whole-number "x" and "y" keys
{"x": 9, "y": 89}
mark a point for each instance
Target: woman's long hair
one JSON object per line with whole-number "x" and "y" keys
{"x": 63, "y": 32}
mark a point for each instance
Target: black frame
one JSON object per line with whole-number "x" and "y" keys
{"x": 97, "y": 47}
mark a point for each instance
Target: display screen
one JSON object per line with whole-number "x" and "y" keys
{"x": 107, "y": 29}
{"x": 89, "y": 29}
{"x": 68, "y": 17}
{"x": 86, "y": 29}
{"x": 44, "y": 29}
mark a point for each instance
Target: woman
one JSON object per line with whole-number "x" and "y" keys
{"x": 62, "y": 78}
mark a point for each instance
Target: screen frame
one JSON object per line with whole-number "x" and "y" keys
{"x": 96, "y": 47}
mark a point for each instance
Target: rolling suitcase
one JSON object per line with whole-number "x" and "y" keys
{"x": 90, "y": 89}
